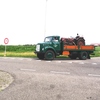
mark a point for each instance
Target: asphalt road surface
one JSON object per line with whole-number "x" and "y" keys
{"x": 60, "y": 79}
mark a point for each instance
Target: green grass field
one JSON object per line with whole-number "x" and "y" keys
{"x": 96, "y": 52}
{"x": 17, "y": 51}
{"x": 28, "y": 51}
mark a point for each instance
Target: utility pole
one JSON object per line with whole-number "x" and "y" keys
{"x": 45, "y": 18}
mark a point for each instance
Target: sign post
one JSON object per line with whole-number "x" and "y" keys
{"x": 6, "y": 40}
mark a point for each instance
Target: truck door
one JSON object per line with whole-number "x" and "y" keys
{"x": 56, "y": 43}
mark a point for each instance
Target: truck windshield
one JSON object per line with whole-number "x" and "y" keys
{"x": 47, "y": 39}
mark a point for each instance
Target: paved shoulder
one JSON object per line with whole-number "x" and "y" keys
{"x": 5, "y": 80}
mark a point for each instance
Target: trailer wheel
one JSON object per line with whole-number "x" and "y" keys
{"x": 83, "y": 55}
{"x": 40, "y": 56}
{"x": 49, "y": 55}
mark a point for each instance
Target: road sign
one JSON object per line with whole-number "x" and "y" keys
{"x": 6, "y": 40}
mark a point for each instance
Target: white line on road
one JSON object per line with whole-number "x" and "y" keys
{"x": 96, "y": 75}
{"x": 38, "y": 60}
{"x": 55, "y": 72}
{"x": 70, "y": 62}
{"x": 58, "y": 61}
{"x": 94, "y": 63}
{"x": 81, "y": 63}
{"x": 28, "y": 70}
{"x": 48, "y": 61}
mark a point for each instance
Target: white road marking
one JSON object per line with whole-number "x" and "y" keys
{"x": 70, "y": 62}
{"x": 64, "y": 61}
{"x": 58, "y": 61}
{"x": 55, "y": 72}
{"x": 38, "y": 60}
{"x": 96, "y": 75}
{"x": 81, "y": 63}
{"x": 48, "y": 61}
{"x": 28, "y": 70}
{"x": 94, "y": 63}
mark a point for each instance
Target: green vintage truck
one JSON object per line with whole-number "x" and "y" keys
{"x": 54, "y": 46}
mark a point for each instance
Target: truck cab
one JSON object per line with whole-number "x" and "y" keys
{"x": 49, "y": 49}
{"x": 52, "y": 42}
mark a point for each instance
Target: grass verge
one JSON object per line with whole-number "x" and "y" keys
{"x": 96, "y": 52}
{"x": 18, "y": 54}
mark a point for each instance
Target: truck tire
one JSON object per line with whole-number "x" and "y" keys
{"x": 40, "y": 56}
{"x": 83, "y": 55}
{"x": 49, "y": 55}
{"x": 80, "y": 42}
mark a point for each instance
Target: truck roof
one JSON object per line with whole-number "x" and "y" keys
{"x": 53, "y": 36}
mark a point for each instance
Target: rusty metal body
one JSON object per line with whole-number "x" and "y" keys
{"x": 74, "y": 41}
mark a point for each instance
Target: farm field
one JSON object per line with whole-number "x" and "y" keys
{"x": 17, "y": 51}
{"x": 28, "y": 51}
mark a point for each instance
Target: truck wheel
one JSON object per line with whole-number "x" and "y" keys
{"x": 83, "y": 55}
{"x": 40, "y": 55}
{"x": 49, "y": 55}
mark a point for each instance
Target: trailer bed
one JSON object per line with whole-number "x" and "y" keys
{"x": 73, "y": 48}
{"x": 86, "y": 47}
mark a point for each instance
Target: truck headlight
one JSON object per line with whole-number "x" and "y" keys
{"x": 37, "y": 47}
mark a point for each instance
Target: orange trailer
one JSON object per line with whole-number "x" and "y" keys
{"x": 74, "y": 51}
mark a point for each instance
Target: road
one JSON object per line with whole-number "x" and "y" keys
{"x": 60, "y": 79}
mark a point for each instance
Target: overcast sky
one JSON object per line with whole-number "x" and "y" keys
{"x": 23, "y": 21}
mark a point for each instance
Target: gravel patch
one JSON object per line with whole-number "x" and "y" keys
{"x": 5, "y": 80}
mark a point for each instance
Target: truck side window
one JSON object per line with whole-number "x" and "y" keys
{"x": 55, "y": 39}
